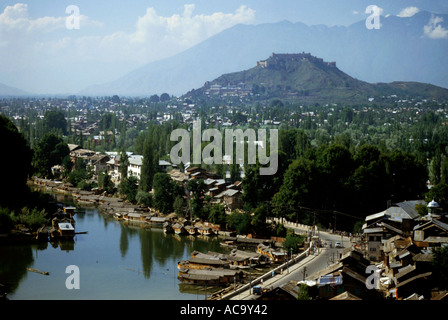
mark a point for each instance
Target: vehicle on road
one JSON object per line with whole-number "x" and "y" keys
{"x": 337, "y": 244}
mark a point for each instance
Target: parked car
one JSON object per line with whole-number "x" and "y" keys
{"x": 337, "y": 244}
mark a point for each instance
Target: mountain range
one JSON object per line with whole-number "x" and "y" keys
{"x": 7, "y": 91}
{"x": 401, "y": 50}
{"x": 398, "y": 51}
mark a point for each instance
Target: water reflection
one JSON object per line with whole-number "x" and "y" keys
{"x": 117, "y": 261}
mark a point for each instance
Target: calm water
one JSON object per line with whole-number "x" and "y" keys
{"x": 115, "y": 260}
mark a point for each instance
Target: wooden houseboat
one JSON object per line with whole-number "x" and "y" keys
{"x": 205, "y": 231}
{"x": 178, "y": 228}
{"x": 63, "y": 230}
{"x": 192, "y": 230}
{"x": 132, "y": 216}
{"x": 167, "y": 228}
{"x": 201, "y": 261}
{"x": 210, "y": 276}
{"x": 156, "y": 221}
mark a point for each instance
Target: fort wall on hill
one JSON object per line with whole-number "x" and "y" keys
{"x": 276, "y": 58}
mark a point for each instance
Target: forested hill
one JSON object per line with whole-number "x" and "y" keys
{"x": 303, "y": 77}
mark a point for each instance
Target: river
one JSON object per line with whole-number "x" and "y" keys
{"x": 115, "y": 260}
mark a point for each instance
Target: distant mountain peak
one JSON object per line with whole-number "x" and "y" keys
{"x": 399, "y": 51}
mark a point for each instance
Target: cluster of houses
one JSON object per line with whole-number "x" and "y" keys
{"x": 395, "y": 261}
{"x": 402, "y": 242}
{"x": 214, "y": 268}
{"x": 221, "y": 191}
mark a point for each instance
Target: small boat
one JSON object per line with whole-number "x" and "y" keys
{"x": 167, "y": 228}
{"x": 70, "y": 211}
{"x": 118, "y": 216}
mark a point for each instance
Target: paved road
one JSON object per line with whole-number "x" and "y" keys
{"x": 306, "y": 267}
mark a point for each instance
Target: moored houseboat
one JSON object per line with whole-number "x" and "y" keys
{"x": 192, "y": 230}
{"x": 167, "y": 228}
{"x": 210, "y": 276}
{"x": 200, "y": 261}
{"x": 63, "y": 230}
{"x": 205, "y": 231}
{"x": 156, "y": 221}
{"x": 178, "y": 228}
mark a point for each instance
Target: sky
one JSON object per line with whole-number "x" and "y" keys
{"x": 63, "y": 46}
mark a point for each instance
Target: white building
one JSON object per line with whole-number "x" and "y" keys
{"x": 135, "y": 165}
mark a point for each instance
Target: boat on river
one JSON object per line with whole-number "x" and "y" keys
{"x": 210, "y": 276}
{"x": 178, "y": 228}
{"x": 167, "y": 228}
{"x": 63, "y": 230}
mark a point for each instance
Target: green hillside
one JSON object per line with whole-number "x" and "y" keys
{"x": 304, "y": 77}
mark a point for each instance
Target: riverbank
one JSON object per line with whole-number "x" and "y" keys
{"x": 106, "y": 203}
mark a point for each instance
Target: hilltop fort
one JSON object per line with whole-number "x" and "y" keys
{"x": 279, "y": 59}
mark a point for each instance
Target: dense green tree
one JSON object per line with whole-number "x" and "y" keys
{"x": 80, "y": 174}
{"x": 164, "y": 192}
{"x": 54, "y": 121}
{"x": 292, "y": 242}
{"x": 217, "y": 214}
{"x": 164, "y": 97}
{"x": 438, "y": 193}
{"x": 129, "y": 188}
{"x": 144, "y": 198}
{"x": 124, "y": 164}
{"x": 196, "y": 190}
{"x": 105, "y": 182}
{"x": 298, "y": 190}
{"x": 50, "y": 151}
{"x": 150, "y": 160}
{"x": 440, "y": 265}
{"x": 15, "y": 162}
{"x": 239, "y": 221}
{"x": 179, "y": 206}
{"x": 407, "y": 176}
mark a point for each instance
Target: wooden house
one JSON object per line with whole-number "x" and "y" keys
{"x": 433, "y": 232}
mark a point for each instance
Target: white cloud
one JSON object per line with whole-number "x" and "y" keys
{"x": 434, "y": 29}
{"x": 16, "y": 19}
{"x": 408, "y": 12}
{"x": 186, "y": 29}
{"x": 34, "y": 48}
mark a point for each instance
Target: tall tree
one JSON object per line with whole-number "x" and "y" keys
{"x": 50, "y": 151}
{"x": 54, "y": 121}
{"x": 124, "y": 164}
{"x": 164, "y": 192}
{"x": 15, "y": 162}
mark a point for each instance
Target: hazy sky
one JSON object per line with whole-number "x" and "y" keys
{"x": 40, "y": 53}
